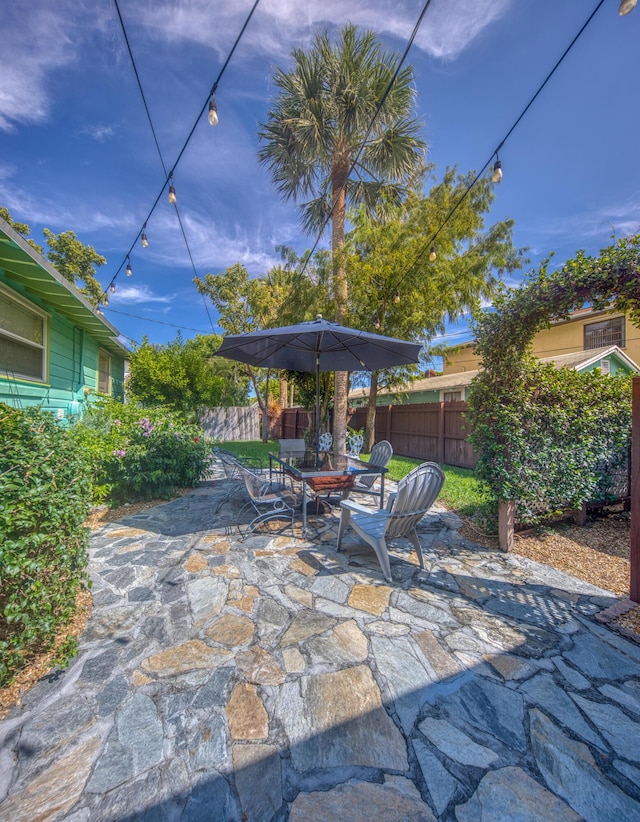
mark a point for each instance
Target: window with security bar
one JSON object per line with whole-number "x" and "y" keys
{"x": 604, "y": 333}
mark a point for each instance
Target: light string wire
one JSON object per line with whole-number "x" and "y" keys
{"x": 169, "y": 177}
{"x": 164, "y": 168}
{"x": 354, "y": 162}
{"x": 430, "y": 242}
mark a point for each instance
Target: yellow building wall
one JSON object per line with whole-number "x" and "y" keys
{"x": 563, "y": 338}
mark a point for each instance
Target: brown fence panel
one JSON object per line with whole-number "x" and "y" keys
{"x": 427, "y": 431}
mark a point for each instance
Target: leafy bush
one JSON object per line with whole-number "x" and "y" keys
{"x": 44, "y": 501}
{"x": 543, "y": 436}
{"x": 139, "y": 454}
{"x": 544, "y": 447}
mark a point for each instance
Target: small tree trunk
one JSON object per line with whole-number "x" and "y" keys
{"x": 283, "y": 393}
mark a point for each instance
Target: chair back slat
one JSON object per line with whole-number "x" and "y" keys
{"x": 416, "y": 494}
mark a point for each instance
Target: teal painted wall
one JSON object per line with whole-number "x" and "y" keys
{"x": 72, "y": 366}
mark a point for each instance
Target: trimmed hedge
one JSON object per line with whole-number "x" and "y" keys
{"x": 45, "y": 494}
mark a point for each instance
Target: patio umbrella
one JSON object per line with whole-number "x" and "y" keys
{"x": 319, "y": 345}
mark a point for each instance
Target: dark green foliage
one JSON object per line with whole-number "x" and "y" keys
{"x": 138, "y": 454}
{"x": 185, "y": 376}
{"x": 44, "y": 501}
{"x": 542, "y": 435}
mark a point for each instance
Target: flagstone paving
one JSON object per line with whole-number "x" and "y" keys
{"x": 275, "y": 679}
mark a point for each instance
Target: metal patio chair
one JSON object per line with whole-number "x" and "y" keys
{"x": 325, "y": 441}
{"x": 405, "y": 508}
{"x": 268, "y": 500}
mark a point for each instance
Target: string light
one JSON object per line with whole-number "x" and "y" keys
{"x": 193, "y": 128}
{"x": 432, "y": 253}
{"x": 112, "y": 288}
{"x": 626, "y": 6}
{"x": 213, "y": 113}
{"x": 496, "y": 177}
{"x": 172, "y": 191}
{"x": 105, "y": 300}
{"x": 129, "y": 269}
{"x": 396, "y": 299}
{"x": 143, "y": 239}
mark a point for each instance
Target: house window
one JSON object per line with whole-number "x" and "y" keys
{"x": 604, "y": 334}
{"x": 104, "y": 372}
{"x": 452, "y": 396}
{"x": 23, "y": 336}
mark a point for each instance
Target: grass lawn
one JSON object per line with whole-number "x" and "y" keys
{"x": 461, "y": 492}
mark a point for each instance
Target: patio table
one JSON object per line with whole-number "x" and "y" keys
{"x": 323, "y": 472}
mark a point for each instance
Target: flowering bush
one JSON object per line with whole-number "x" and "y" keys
{"x": 137, "y": 455}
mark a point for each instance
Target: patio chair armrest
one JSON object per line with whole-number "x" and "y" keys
{"x": 354, "y": 506}
{"x": 391, "y": 500}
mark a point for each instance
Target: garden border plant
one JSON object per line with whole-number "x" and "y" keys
{"x": 539, "y": 433}
{"x": 139, "y": 453}
{"x": 45, "y": 496}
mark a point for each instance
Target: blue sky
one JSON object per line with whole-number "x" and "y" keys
{"x": 76, "y": 150}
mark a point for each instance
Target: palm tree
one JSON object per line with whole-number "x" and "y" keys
{"x": 325, "y": 149}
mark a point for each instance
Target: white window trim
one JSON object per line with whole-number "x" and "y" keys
{"x": 34, "y": 309}
{"x": 110, "y": 359}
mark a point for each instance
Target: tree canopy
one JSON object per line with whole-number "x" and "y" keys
{"x": 71, "y": 258}
{"x": 396, "y": 289}
{"x": 185, "y": 376}
{"x": 341, "y": 132}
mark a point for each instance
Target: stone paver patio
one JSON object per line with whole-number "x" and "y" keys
{"x": 274, "y": 679}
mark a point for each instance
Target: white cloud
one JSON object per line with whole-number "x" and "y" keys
{"x": 619, "y": 220}
{"x": 37, "y": 38}
{"x": 278, "y": 26}
{"x": 79, "y": 216}
{"x": 139, "y": 294}
{"x": 99, "y": 132}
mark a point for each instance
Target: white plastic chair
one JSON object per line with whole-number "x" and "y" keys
{"x": 381, "y": 453}
{"x": 415, "y": 495}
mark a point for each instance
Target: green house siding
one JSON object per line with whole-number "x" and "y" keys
{"x": 74, "y": 335}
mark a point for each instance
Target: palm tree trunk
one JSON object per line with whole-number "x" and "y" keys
{"x": 341, "y": 388}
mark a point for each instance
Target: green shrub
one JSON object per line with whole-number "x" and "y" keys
{"x": 44, "y": 501}
{"x": 139, "y": 454}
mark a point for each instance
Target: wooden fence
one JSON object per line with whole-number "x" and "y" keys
{"x": 234, "y": 423}
{"x": 428, "y": 431}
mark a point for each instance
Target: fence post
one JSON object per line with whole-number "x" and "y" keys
{"x": 441, "y": 433}
{"x": 506, "y": 524}
{"x": 388, "y": 437}
{"x": 634, "y": 553}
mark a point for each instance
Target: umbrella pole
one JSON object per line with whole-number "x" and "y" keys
{"x": 317, "y": 409}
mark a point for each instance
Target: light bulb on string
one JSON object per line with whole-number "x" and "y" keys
{"x": 143, "y": 239}
{"x": 172, "y": 191}
{"x": 376, "y": 324}
{"x": 626, "y": 6}
{"x": 213, "y": 112}
{"x": 396, "y": 299}
{"x": 105, "y": 300}
{"x": 432, "y": 253}
{"x": 129, "y": 269}
{"x": 112, "y": 288}
{"x": 496, "y": 177}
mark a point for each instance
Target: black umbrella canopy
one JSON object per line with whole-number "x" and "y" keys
{"x": 319, "y": 345}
